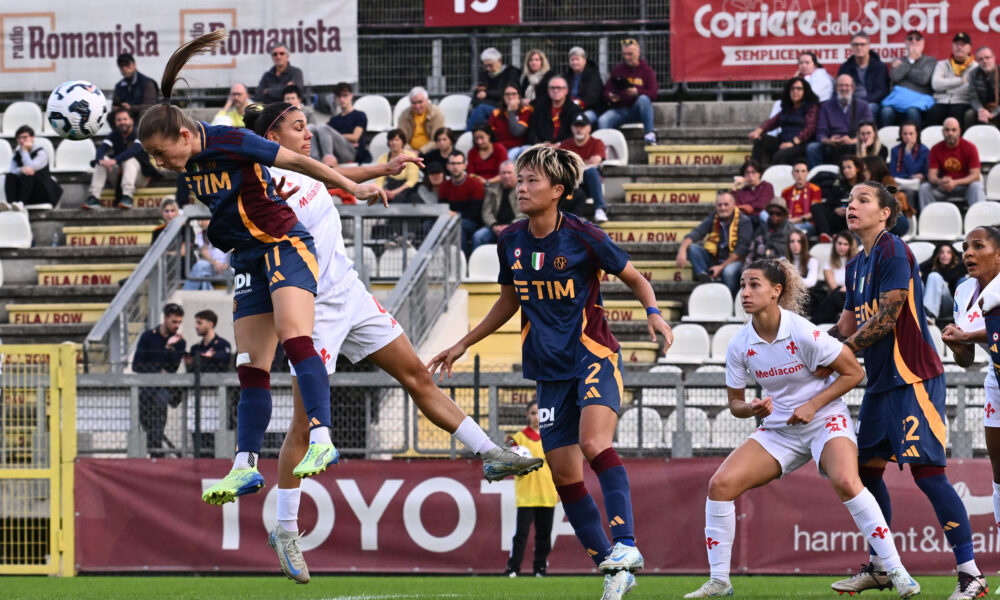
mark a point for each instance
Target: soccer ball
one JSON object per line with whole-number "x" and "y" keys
{"x": 76, "y": 110}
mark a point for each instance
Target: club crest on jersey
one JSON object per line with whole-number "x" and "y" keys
{"x": 996, "y": 336}
{"x": 560, "y": 263}
{"x": 751, "y": 352}
{"x": 815, "y": 334}
{"x": 517, "y": 253}
{"x": 537, "y": 260}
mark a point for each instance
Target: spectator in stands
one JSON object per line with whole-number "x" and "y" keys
{"x": 211, "y": 353}
{"x": 444, "y": 140}
{"x": 427, "y": 190}
{"x": 911, "y": 95}
{"x": 168, "y": 212}
{"x": 798, "y": 254}
{"x": 800, "y": 198}
{"x": 134, "y": 91}
{"x": 725, "y": 235}
{"x": 771, "y": 239}
{"x": 797, "y": 120}
{"x": 951, "y": 83}
{"x": 342, "y": 138}
{"x": 839, "y": 119}
{"x": 875, "y": 169}
{"x": 274, "y": 81}
{"x": 398, "y": 187}
{"x": 953, "y": 169}
{"x": 510, "y": 123}
{"x": 942, "y": 273}
{"x": 494, "y": 78}
{"x": 870, "y": 75}
{"x": 831, "y": 215}
{"x": 593, "y": 153}
{"x": 295, "y": 97}
{"x": 464, "y": 195}
{"x": 908, "y": 160}
{"x": 629, "y": 93}
{"x": 121, "y": 158}
{"x": 534, "y": 82}
{"x": 986, "y": 87}
{"x": 844, "y": 247}
{"x": 750, "y": 192}
{"x": 499, "y": 207}
{"x": 819, "y": 79}
{"x": 486, "y": 155}
{"x": 420, "y": 120}
{"x": 28, "y": 181}
{"x": 232, "y": 113}
{"x": 585, "y": 86}
{"x": 159, "y": 350}
{"x": 869, "y": 143}
{"x": 211, "y": 262}
{"x": 552, "y": 116}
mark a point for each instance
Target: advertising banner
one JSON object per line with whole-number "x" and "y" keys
{"x": 747, "y": 40}
{"x": 440, "y": 516}
{"x": 466, "y": 13}
{"x": 44, "y": 44}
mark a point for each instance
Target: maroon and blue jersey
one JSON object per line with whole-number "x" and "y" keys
{"x": 906, "y": 355}
{"x": 229, "y": 175}
{"x": 992, "y": 319}
{"x": 558, "y": 282}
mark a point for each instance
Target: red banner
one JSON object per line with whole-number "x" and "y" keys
{"x": 440, "y": 516}
{"x": 746, "y": 40}
{"x": 463, "y": 13}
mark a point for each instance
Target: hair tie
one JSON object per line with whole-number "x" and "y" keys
{"x": 276, "y": 119}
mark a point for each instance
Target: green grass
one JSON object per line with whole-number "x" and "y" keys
{"x": 332, "y": 587}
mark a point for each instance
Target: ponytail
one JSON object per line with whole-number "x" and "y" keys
{"x": 794, "y": 294}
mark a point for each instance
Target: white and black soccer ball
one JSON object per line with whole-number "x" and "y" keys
{"x": 76, "y": 110}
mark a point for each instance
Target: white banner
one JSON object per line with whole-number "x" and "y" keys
{"x": 47, "y": 42}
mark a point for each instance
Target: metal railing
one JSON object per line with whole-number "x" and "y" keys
{"x": 534, "y": 13}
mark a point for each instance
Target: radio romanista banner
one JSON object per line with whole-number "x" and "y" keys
{"x": 746, "y": 40}
{"x": 43, "y": 43}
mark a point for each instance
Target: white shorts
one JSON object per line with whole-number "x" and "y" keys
{"x": 350, "y": 321}
{"x": 793, "y": 445}
{"x": 991, "y": 410}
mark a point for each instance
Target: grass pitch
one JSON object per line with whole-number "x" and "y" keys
{"x": 333, "y": 587}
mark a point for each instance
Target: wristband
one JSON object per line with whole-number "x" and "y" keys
{"x": 652, "y": 310}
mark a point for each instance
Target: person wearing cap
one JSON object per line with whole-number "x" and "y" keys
{"x": 135, "y": 91}
{"x": 427, "y": 190}
{"x": 912, "y": 95}
{"x": 159, "y": 350}
{"x": 550, "y": 120}
{"x": 629, "y": 93}
{"x": 986, "y": 87}
{"x": 494, "y": 78}
{"x": 771, "y": 240}
{"x": 593, "y": 153}
{"x": 870, "y": 75}
{"x": 499, "y": 207}
{"x": 273, "y": 82}
{"x": 951, "y": 83}
{"x": 586, "y": 89}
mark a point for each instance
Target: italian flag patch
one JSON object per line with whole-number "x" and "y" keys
{"x": 537, "y": 260}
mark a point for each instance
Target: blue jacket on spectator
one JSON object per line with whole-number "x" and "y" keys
{"x": 876, "y": 81}
{"x": 833, "y": 120}
{"x": 122, "y": 148}
{"x": 906, "y": 165}
{"x": 140, "y": 93}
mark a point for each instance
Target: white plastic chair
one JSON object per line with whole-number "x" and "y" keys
{"x": 940, "y": 221}
{"x": 982, "y": 213}
{"x": 779, "y": 176}
{"x": 379, "y": 146}
{"x": 922, "y": 251}
{"x": 74, "y": 156}
{"x": 403, "y": 104}
{"x": 484, "y": 264}
{"x": 720, "y": 341}
{"x": 889, "y": 136}
{"x": 378, "y": 111}
{"x": 367, "y": 256}
{"x": 22, "y": 113}
{"x": 15, "y": 231}
{"x": 50, "y": 150}
{"x": 695, "y": 421}
{"x": 986, "y": 138}
{"x": 993, "y": 184}
{"x": 614, "y": 144}
{"x": 456, "y": 109}
{"x": 931, "y": 135}
{"x": 709, "y": 302}
{"x": 821, "y": 252}
{"x": 464, "y": 143}
{"x": 936, "y": 338}
{"x": 390, "y": 264}
{"x": 823, "y": 169}
{"x": 739, "y": 315}
{"x": 6, "y": 153}
{"x": 1, "y": 274}
{"x": 628, "y": 428}
{"x": 691, "y": 346}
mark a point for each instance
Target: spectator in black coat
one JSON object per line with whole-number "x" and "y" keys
{"x": 135, "y": 91}
{"x": 586, "y": 87}
{"x": 870, "y": 75}
{"x": 212, "y": 352}
{"x": 28, "y": 180}
{"x": 553, "y": 116}
{"x": 494, "y": 78}
{"x": 273, "y": 82}
{"x": 159, "y": 350}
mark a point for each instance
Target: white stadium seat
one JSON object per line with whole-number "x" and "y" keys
{"x": 22, "y": 113}
{"x": 50, "y": 150}
{"x": 1, "y": 274}
{"x": 821, "y": 252}
{"x": 367, "y": 256}
{"x": 889, "y": 136}
{"x": 922, "y": 251}
{"x": 739, "y": 315}
{"x": 378, "y": 111}
{"x": 691, "y": 346}
{"x": 379, "y": 146}
{"x": 464, "y": 144}
{"x": 74, "y": 156}
{"x": 615, "y": 145}
{"x": 940, "y": 221}
{"x": 823, "y": 169}
{"x": 710, "y": 302}
{"x": 390, "y": 264}
{"x": 982, "y": 213}
{"x": 779, "y": 176}
{"x": 6, "y": 153}
{"x": 931, "y": 135}
{"x": 15, "y": 231}
{"x": 695, "y": 421}
{"x": 628, "y": 428}
{"x": 456, "y": 109}
{"x": 986, "y": 138}
{"x": 721, "y": 339}
{"x": 993, "y": 184}
{"x": 936, "y": 338}
{"x": 403, "y": 104}
{"x": 484, "y": 264}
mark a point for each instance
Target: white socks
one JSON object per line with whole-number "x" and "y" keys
{"x": 969, "y": 567}
{"x": 245, "y": 460}
{"x": 320, "y": 435}
{"x": 720, "y": 529}
{"x": 870, "y": 521}
{"x": 473, "y": 436}
{"x": 288, "y": 508}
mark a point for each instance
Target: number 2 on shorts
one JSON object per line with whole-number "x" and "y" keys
{"x": 591, "y": 379}
{"x": 913, "y": 422}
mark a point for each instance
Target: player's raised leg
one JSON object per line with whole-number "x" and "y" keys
{"x": 284, "y": 538}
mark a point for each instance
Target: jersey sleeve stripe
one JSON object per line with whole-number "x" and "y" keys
{"x": 307, "y": 257}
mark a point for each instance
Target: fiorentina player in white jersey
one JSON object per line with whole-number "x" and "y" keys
{"x": 981, "y": 255}
{"x": 803, "y": 417}
{"x": 350, "y": 321}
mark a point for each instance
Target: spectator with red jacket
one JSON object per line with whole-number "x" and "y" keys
{"x": 464, "y": 195}
{"x": 486, "y": 154}
{"x": 593, "y": 153}
{"x": 629, "y": 93}
{"x": 510, "y": 123}
{"x": 800, "y": 196}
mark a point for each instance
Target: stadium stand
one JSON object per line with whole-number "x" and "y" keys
{"x": 987, "y": 141}
{"x": 889, "y": 136}
{"x": 629, "y": 429}
{"x": 709, "y": 303}
{"x": 401, "y": 105}
{"x": 922, "y": 251}
{"x": 464, "y": 143}
{"x": 931, "y": 135}
{"x": 74, "y": 156}
{"x": 15, "y": 231}
{"x": 940, "y": 221}
{"x": 720, "y": 341}
{"x": 22, "y": 113}
{"x": 379, "y": 145}
{"x": 615, "y": 144}
{"x": 378, "y": 111}
{"x": 456, "y": 109}
{"x": 692, "y": 346}
{"x": 982, "y": 213}
{"x": 779, "y": 176}
{"x": 484, "y": 264}
{"x": 6, "y": 153}
{"x": 993, "y": 185}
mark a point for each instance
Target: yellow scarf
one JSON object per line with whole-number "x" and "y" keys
{"x": 712, "y": 239}
{"x": 960, "y": 68}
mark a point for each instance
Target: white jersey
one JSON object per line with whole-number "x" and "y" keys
{"x": 315, "y": 209}
{"x": 969, "y": 317}
{"x": 784, "y": 368}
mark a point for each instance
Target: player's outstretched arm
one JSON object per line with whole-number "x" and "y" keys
{"x": 503, "y": 309}
{"x": 368, "y": 172}
{"x": 851, "y": 375}
{"x": 890, "y": 303}
{"x": 742, "y": 409}
{"x": 293, "y": 161}
{"x": 644, "y": 292}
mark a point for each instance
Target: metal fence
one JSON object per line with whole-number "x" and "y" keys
{"x": 381, "y": 13}
{"x": 663, "y": 414}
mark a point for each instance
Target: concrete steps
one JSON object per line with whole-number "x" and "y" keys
{"x": 19, "y": 263}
